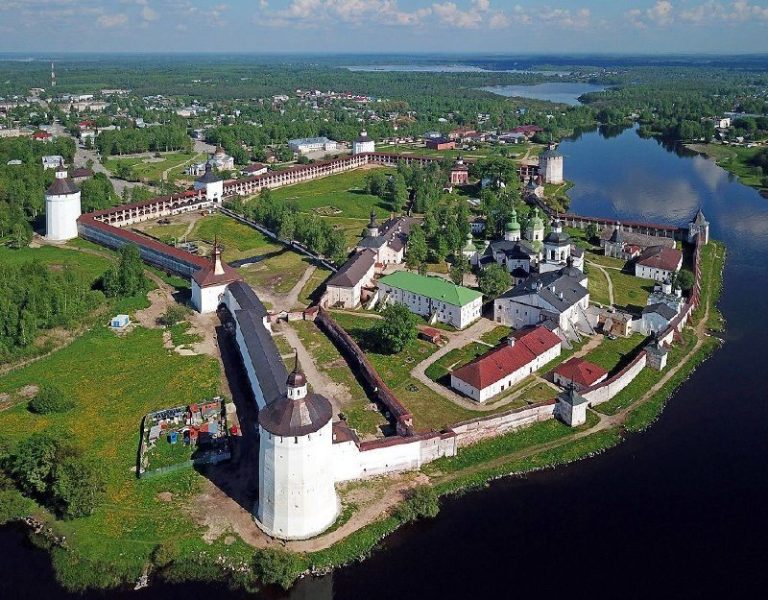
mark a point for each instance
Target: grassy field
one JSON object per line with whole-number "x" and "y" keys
{"x": 167, "y": 233}
{"x": 85, "y": 265}
{"x": 330, "y": 361}
{"x": 308, "y": 293}
{"x": 116, "y": 381}
{"x": 338, "y": 195}
{"x": 278, "y": 273}
{"x": 611, "y": 354}
{"x": 733, "y": 159}
{"x": 598, "y": 286}
{"x": 148, "y": 168}
{"x": 629, "y": 290}
{"x": 438, "y": 371}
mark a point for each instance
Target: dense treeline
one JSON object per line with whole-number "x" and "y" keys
{"x": 284, "y": 219}
{"x": 34, "y": 297}
{"x": 148, "y": 139}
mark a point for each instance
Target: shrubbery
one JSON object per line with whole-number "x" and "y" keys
{"x": 51, "y": 399}
{"x": 274, "y": 566}
{"x": 395, "y": 331}
{"x": 422, "y": 503}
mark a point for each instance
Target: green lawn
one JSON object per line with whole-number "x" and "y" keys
{"x": 116, "y": 381}
{"x": 496, "y": 335}
{"x": 611, "y": 354}
{"x": 330, "y": 361}
{"x": 87, "y": 266}
{"x": 309, "y": 293}
{"x": 279, "y": 273}
{"x": 598, "y": 286}
{"x": 629, "y": 290}
{"x": 146, "y": 168}
{"x": 734, "y": 159}
{"x": 338, "y": 195}
{"x": 596, "y": 256}
{"x": 439, "y": 370}
{"x": 238, "y": 240}
{"x": 167, "y": 233}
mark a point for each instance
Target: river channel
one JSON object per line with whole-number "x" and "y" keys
{"x": 676, "y": 511}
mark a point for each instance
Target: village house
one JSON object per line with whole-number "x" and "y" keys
{"x": 254, "y": 170}
{"x": 580, "y": 373}
{"x": 344, "y": 289}
{"x": 53, "y": 161}
{"x": 440, "y": 143}
{"x": 525, "y": 352}
{"x": 433, "y": 297}
{"x": 659, "y": 263}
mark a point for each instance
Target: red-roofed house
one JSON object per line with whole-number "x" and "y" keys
{"x": 659, "y": 263}
{"x": 526, "y": 351}
{"x": 580, "y": 372}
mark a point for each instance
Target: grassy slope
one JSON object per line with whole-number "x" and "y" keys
{"x": 116, "y": 380}
{"x": 733, "y": 159}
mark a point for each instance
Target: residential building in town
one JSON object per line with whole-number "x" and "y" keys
{"x": 432, "y": 297}
{"x": 524, "y": 353}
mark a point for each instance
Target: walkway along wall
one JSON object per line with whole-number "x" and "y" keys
{"x": 360, "y": 365}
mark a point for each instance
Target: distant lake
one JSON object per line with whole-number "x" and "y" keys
{"x": 447, "y": 69}
{"x": 562, "y": 92}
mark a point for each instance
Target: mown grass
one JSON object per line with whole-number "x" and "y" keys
{"x": 147, "y": 168}
{"x": 611, "y": 354}
{"x": 343, "y": 192}
{"x": 311, "y": 291}
{"x": 629, "y": 290}
{"x": 86, "y": 266}
{"x": 440, "y": 369}
{"x": 278, "y": 273}
{"x": 496, "y": 335}
{"x": 599, "y": 292}
{"x": 330, "y": 361}
{"x": 115, "y": 382}
{"x": 237, "y": 240}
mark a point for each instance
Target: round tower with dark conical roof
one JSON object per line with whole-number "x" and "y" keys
{"x": 62, "y": 208}
{"x": 297, "y": 498}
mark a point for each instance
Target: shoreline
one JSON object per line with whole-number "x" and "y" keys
{"x": 486, "y": 461}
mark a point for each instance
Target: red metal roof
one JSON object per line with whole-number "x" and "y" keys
{"x": 505, "y": 360}
{"x": 661, "y": 257}
{"x": 580, "y": 371}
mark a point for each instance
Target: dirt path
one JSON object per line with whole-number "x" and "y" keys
{"x": 607, "y": 277}
{"x": 288, "y": 300}
{"x": 321, "y": 383}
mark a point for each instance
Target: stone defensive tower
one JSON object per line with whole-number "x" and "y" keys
{"x": 62, "y": 208}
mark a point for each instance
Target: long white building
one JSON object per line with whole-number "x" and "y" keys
{"x": 432, "y": 297}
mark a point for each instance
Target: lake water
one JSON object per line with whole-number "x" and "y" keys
{"x": 677, "y": 511}
{"x": 561, "y": 92}
{"x": 448, "y": 69}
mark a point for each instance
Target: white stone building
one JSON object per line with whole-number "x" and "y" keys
{"x": 551, "y": 165}
{"x": 315, "y": 144}
{"x": 210, "y": 283}
{"x": 62, "y": 208}
{"x": 344, "y": 289}
{"x": 297, "y": 498}
{"x": 432, "y": 297}
{"x": 572, "y": 408}
{"x": 363, "y": 144}
{"x": 659, "y": 263}
{"x": 212, "y": 184}
{"x": 525, "y": 352}
{"x": 560, "y": 296}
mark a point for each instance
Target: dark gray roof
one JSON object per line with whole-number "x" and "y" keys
{"x": 557, "y": 238}
{"x": 576, "y": 251}
{"x": 550, "y": 153}
{"x": 660, "y": 309}
{"x": 617, "y": 237}
{"x": 59, "y": 187}
{"x": 572, "y": 397}
{"x": 512, "y": 250}
{"x": 353, "y": 270}
{"x": 290, "y": 418}
{"x": 700, "y": 219}
{"x": 247, "y": 298}
{"x": 549, "y": 287}
{"x": 209, "y": 176}
{"x": 265, "y": 357}
{"x": 372, "y": 241}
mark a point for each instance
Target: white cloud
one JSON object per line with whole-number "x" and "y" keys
{"x": 148, "y": 14}
{"x": 110, "y": 21}
{"x": 450, "y": 14}
{"x": 565, "y": 17}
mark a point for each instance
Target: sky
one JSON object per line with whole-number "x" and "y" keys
{"x": 385, "y": 26}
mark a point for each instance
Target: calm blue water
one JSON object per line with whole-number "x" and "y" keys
{"x": 447, "y": 69}
{"x": 675, "y": 512}
{"x": 561, "y": 92}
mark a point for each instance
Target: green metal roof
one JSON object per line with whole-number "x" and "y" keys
{"x": 435, "y": 288}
